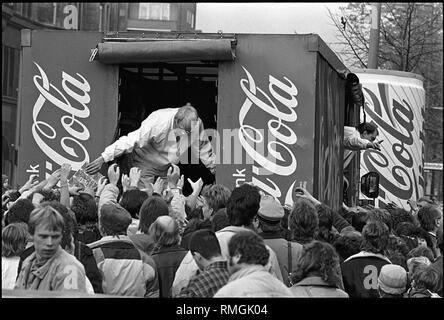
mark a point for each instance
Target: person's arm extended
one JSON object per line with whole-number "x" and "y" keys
{"x": 64, "y": 189}
{"x": 110, "y": 191}
{"x": 353, "y": 141}
{"x": 137, "y": 138}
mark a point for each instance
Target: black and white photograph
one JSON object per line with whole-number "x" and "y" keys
{"x": 222, "y": 160}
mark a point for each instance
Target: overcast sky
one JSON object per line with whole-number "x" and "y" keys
{"x": 286, "y": 18}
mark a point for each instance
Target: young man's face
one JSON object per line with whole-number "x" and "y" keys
{"x": 46, "y": 241}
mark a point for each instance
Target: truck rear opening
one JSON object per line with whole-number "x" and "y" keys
{"x": 144, "y": 88}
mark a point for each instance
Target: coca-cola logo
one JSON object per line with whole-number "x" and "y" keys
{"x": 400, "y": 162}
{"x": 46, "y": 137}
{"x": 280, "y": 134}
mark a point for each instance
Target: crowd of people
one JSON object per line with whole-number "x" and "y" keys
{"x": 138, "y": 235}
{"x": 126, "y": 239}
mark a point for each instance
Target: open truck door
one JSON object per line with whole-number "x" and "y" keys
{"x": 67, "y": 105}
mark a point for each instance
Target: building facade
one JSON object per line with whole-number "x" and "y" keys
{"x": 103, "y": 17}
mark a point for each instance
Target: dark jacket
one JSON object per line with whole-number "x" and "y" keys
{"x": 285, "y": 250}
{"x": 88, "y": 233}
{"x": 167, "y": 261}
{"x": 85, "y": 256}
{"x": 360, "y": 274}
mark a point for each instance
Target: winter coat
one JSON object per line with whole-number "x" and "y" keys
{"x": 126, "y": 271}
{"x": 167, "y": 261}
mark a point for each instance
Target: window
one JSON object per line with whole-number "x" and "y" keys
{"x": 46, "y": 13}
{"x": 10, "y": 61}
{"x": 154, "y": 11}
{"x": 190, "y": 18}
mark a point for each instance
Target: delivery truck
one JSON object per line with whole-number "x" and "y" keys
{"x": 274, "y": 105}
{"x": 395, "y": 102}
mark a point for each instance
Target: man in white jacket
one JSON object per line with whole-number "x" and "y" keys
{"x": 159, "y": 142}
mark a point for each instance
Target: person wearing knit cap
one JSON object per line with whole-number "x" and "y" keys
{"x": 126, "y": 270}
{"x": 392, "y": 281}
{"x": 269, "y": 228}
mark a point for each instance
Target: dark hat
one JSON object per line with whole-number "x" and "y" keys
{"x": 392, "y": 279}
{"x": 114, "y": 217}
{"x": 270, "y": 209}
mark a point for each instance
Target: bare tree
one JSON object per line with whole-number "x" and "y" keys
{"x": 411, "y": 37}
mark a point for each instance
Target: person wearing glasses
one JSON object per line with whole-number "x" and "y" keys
{"x": 159, "y": 142}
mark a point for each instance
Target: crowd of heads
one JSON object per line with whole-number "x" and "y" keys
{"x": 411, "y": 241}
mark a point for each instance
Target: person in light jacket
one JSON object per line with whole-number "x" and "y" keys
{"x": 248, "y": 257}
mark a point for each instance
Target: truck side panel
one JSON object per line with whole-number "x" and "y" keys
{"x": 266, "y": 101}
{"x": 68, "y": 106}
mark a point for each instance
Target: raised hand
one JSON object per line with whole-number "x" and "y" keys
{"x": 64, "y": 171}
{"x": 53, "y": 179}
{"x": 303, "y": 193}
{"x": 113, "y": 174}
{"x": 74, "y": 191}
{"x": 173, "y": 176}
{"x": 32, "y": 181}
{"x": 101, "y": 185}
{"x": 134, "y": 176}
{"x": 126, "y": 182}
{"x": 181, "y": 182}
{"x": 159, "y": 185}
{"x": 94, "y": 166}
{"x": 196, "y": 186}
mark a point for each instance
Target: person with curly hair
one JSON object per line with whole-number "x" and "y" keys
{"x": 318, "y": 274}
{"x": 85, "y": 209}
{"x": 347, "y": 245}
{"x": 325, "y": 231}
{"x": 303, "y": 221}
{"x": 248, "y": 257}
